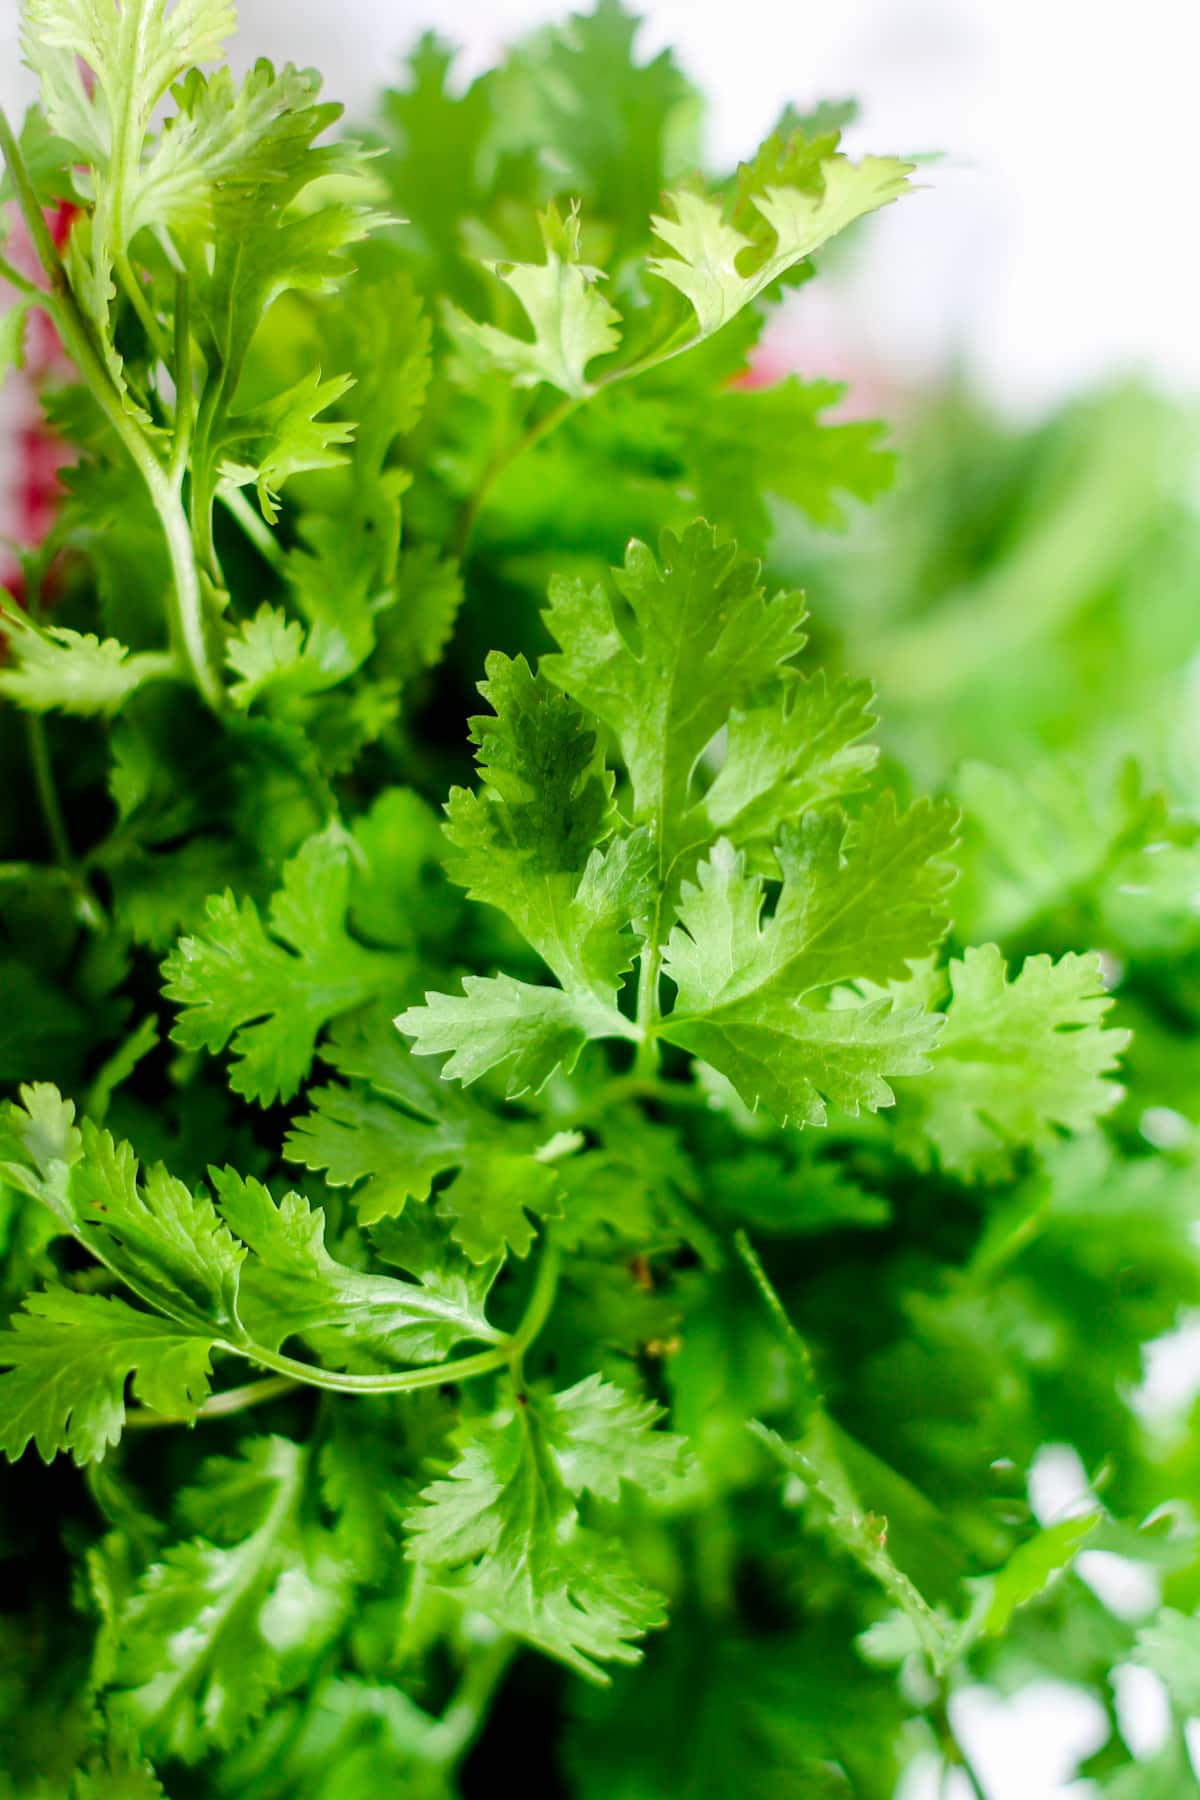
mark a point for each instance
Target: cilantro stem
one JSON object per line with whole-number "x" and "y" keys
{"x": 463, "y": 1368}
{"x": 185, "y": 399}
{"x": 136, "y": 296}
{"x": 46, "y": 787}
{"x": 507, "y": 1353}
{"x": 220, "y": 1406}
{"x": 15, "y": 279}
{"x": 187, "y": 621}
{"x": 645, "y": 1065}
{"x": 255, "y": 528}
{"x": 454, "y": 1733}
{"x": 541, "y": 1300}
{"x": 549, "y": 422}
{"x": 47, "y": 792}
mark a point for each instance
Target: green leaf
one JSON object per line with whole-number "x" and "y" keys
{"x": 523, "y": 1032}
{"x": 166, "y": 1242}
{"x": 291, "y": 1285}
{"x": 270, "y": 994}
{"x": 617, "y": 127}
{"x": 12, "y": 338}
{"x": 867, "y": 895}
{"x": 275, "y": 659}
{"x": 527, "y": 841}
{"x": 746, "y": 444}
{"x": 135, "y": 51}
{"x": 719, "y": 270}
{"x": 602, "y": 1436}
{"x": 39, "y": 1142}
{"x": 67, "y": 1360}
{"x": 501, "y": 1533}
{"x": 1018, "y": 1061}
{"x": 1170, "y": 1645}
{"x": 1026, "y": 1574}
{"x": 698, "y": 637}
{"x": 203, "y": 1636}
{"x": 571, "y": 320}
{"x": 397, "y": 1127}
{"x": 54, "y": 669}
{"x": 413, "y": 634}
{"x": 793, "y": 1196}
{"x": 284, "y": 437}
{"x": 785, "y": 755}
{"x": 223, "y": 142}
{"x": 118, "y": 1773}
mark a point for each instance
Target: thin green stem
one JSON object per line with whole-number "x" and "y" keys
{"x": 46, "y": 788}
{"x": 646, "y": 1060}
{"x": 541, "y": 1301}
{"x": 185, "y": 400}
{"x": 15, "y": 279}
{"x": 47, "y": 792}
{"x": 255, "y": 528}
{"x": 188, "y": 612}
{"x": 503, "y": 460}
{"x": 136, "y": 295}
{"x": 407, "y": 1381}
{"x": 31, "y": 211}
{"x": 454, "y": 1733}
{"x": 220, "y": 1406}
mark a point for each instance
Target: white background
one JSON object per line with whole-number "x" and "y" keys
{"x": 1056, "y": 245}
{"x": 1058, "y": 241}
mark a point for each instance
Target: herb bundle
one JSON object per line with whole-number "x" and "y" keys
{"x": 649, "y": 1208}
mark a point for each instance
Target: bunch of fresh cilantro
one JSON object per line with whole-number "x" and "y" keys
{"x": 569, "y": 1288}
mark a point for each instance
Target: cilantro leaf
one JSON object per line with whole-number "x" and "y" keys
{"x": 1017, "y": 1061}
{"x": 204, "y": 1634}
{"x": 1170, "y": 1645}
{"x": 602, "y": 1435}
{"x": 291, "y": 1285}
{"x": 500, "y": 1532}
{"x": 527, "y": 841}
{"x": 572, "y": 321}
{"x": 135, "y": 52}
{"x": 286, "y": 436}
{"x": 398, "y": 1128}
{"x": 719, "y": 269}
{"x": 269, "y": 995}
{"x": 699, "y": 637}
{"x": 67, "y": 1359}
{"x": 167, "y": 1242}
{"x": 868, "y": 894}
{"x": 523, "y": 1032}
{"x": 56, "y": 669}
{"x": 784, "y": 755}
{"x": 745, "y": 444}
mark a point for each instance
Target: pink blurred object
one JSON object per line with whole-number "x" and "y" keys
{"x": 817, "y": 345}
{"x": 31, "y": 502}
